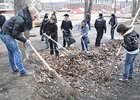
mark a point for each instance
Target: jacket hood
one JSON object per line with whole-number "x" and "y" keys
{"x": 25, "y": 14}
{"x": 131, "y": 29}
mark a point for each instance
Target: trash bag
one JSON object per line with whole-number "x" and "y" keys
{"x": 68, "y": 37}
{"x": 71, "y": 40}
{"x": 88, "y": 41}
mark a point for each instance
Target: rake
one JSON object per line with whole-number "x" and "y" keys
{"x": 110, "y": 69}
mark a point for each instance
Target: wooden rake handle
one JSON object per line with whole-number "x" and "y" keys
{"x": 135, "y": 17}
{"x": 41, "y": 58}
{"x": 58, "y": 44}
{"x": 61, "y": 81}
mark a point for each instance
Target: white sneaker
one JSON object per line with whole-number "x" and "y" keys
{"x": 123, "y": 80}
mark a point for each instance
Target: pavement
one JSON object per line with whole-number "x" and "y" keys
{"x": 92, "y": 35}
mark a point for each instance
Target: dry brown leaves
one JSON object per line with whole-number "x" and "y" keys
{"x": 85, "y": 73}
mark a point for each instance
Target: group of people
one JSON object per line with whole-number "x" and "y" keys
{"x": 66, "y": 27}
{"x": 12, "y": 29}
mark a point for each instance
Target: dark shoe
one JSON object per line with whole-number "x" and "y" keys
{"x": 15, "y": 72}
{"x": 26, "y": 74}
{"x": 42, "y": 38}
{"x": 46, "y": 47}
{"x": 130, "y": 78}
{"x": 57, "y": 56}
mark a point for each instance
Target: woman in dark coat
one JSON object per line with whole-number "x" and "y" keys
{"x": 44, "y": 21}
{"x": 11, "y": 31}
{"x": 51, "y": 30}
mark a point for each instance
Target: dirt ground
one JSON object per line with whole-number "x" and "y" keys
{"x": 13, "y": 87}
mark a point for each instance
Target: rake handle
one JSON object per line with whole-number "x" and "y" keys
{"x": 109, "y": 71}
{"x": 135, "y": 17}
{"x": 62, "y": 82}
{"x": 41, "y": 58}
{"x": 58, "y": 44}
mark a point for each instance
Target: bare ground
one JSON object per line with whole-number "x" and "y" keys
{"x": 13, "y": 87}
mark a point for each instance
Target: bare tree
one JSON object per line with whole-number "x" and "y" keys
{"x": 136, "y": 6}
{"x": 18, "y": 5}
{"x": 88, "y": 7}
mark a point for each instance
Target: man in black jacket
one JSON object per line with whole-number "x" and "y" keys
{"x": 11, "y": 31}
{"x": 131, "y": 45}
{"x": 100, "y": 26}
{"x": 113, "y": 23}
{"x": 66, "y": 28}
{"x": 51, "y": 30}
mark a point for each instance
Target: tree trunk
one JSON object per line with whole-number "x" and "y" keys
{"x": 88, "y": 7}
{"x": 134, "y": 10}
{"x": 18, "y": 5}
{"x": 138, "y": 6}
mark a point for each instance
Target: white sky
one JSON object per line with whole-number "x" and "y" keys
{"x": 45, "y": 1}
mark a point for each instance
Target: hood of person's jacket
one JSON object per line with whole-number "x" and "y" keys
{"x": 25, "y": 14}
{"x": 130, "y": 30}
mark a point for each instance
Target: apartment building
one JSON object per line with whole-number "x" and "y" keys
{"x": 94, "y": 1}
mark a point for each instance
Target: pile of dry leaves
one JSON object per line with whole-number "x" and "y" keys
{"x": 85, "y": 72}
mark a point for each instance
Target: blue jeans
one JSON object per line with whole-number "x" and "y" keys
{"x": 129, "y": 65}
{"x": 88, "y": 22}
{"x": 14, "y": 53}
{"x": 112, "y": 32}
{"x": 84, "y": 43}
{"x": 46, "y": 42}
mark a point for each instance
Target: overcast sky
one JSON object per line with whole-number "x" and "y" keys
{"x": 52, "y": 0}
{"x": 45, "y": 1}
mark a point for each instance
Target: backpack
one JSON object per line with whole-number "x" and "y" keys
{"x": 2, "y": 20}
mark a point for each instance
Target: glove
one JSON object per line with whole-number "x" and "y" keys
{"x": 123, "y": 45}
{"x": 70, "y": 31}
{"x": 44, "y": 34}
{"x": 28, "y": 42}
{"x": 49, "y": 37}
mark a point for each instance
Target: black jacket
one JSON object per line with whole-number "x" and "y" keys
{"x": 131, "y": 40}
{"x": 66, "y": 25}
{"x": 2, "y": 20}
{"x": 113, "y": 22}
{"x": 88, "y": 17}
{"x": 42, "y": 30}
{"x": 100, "y": 24}
{"x": 18, "y": 24}
{"x": 51, "y": 30}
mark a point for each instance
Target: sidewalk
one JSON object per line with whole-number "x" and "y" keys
{"x": 92, "y": 35}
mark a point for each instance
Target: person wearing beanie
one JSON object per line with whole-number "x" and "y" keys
{"x": 51, "y": 29}
{"x": 44, "y": 21}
